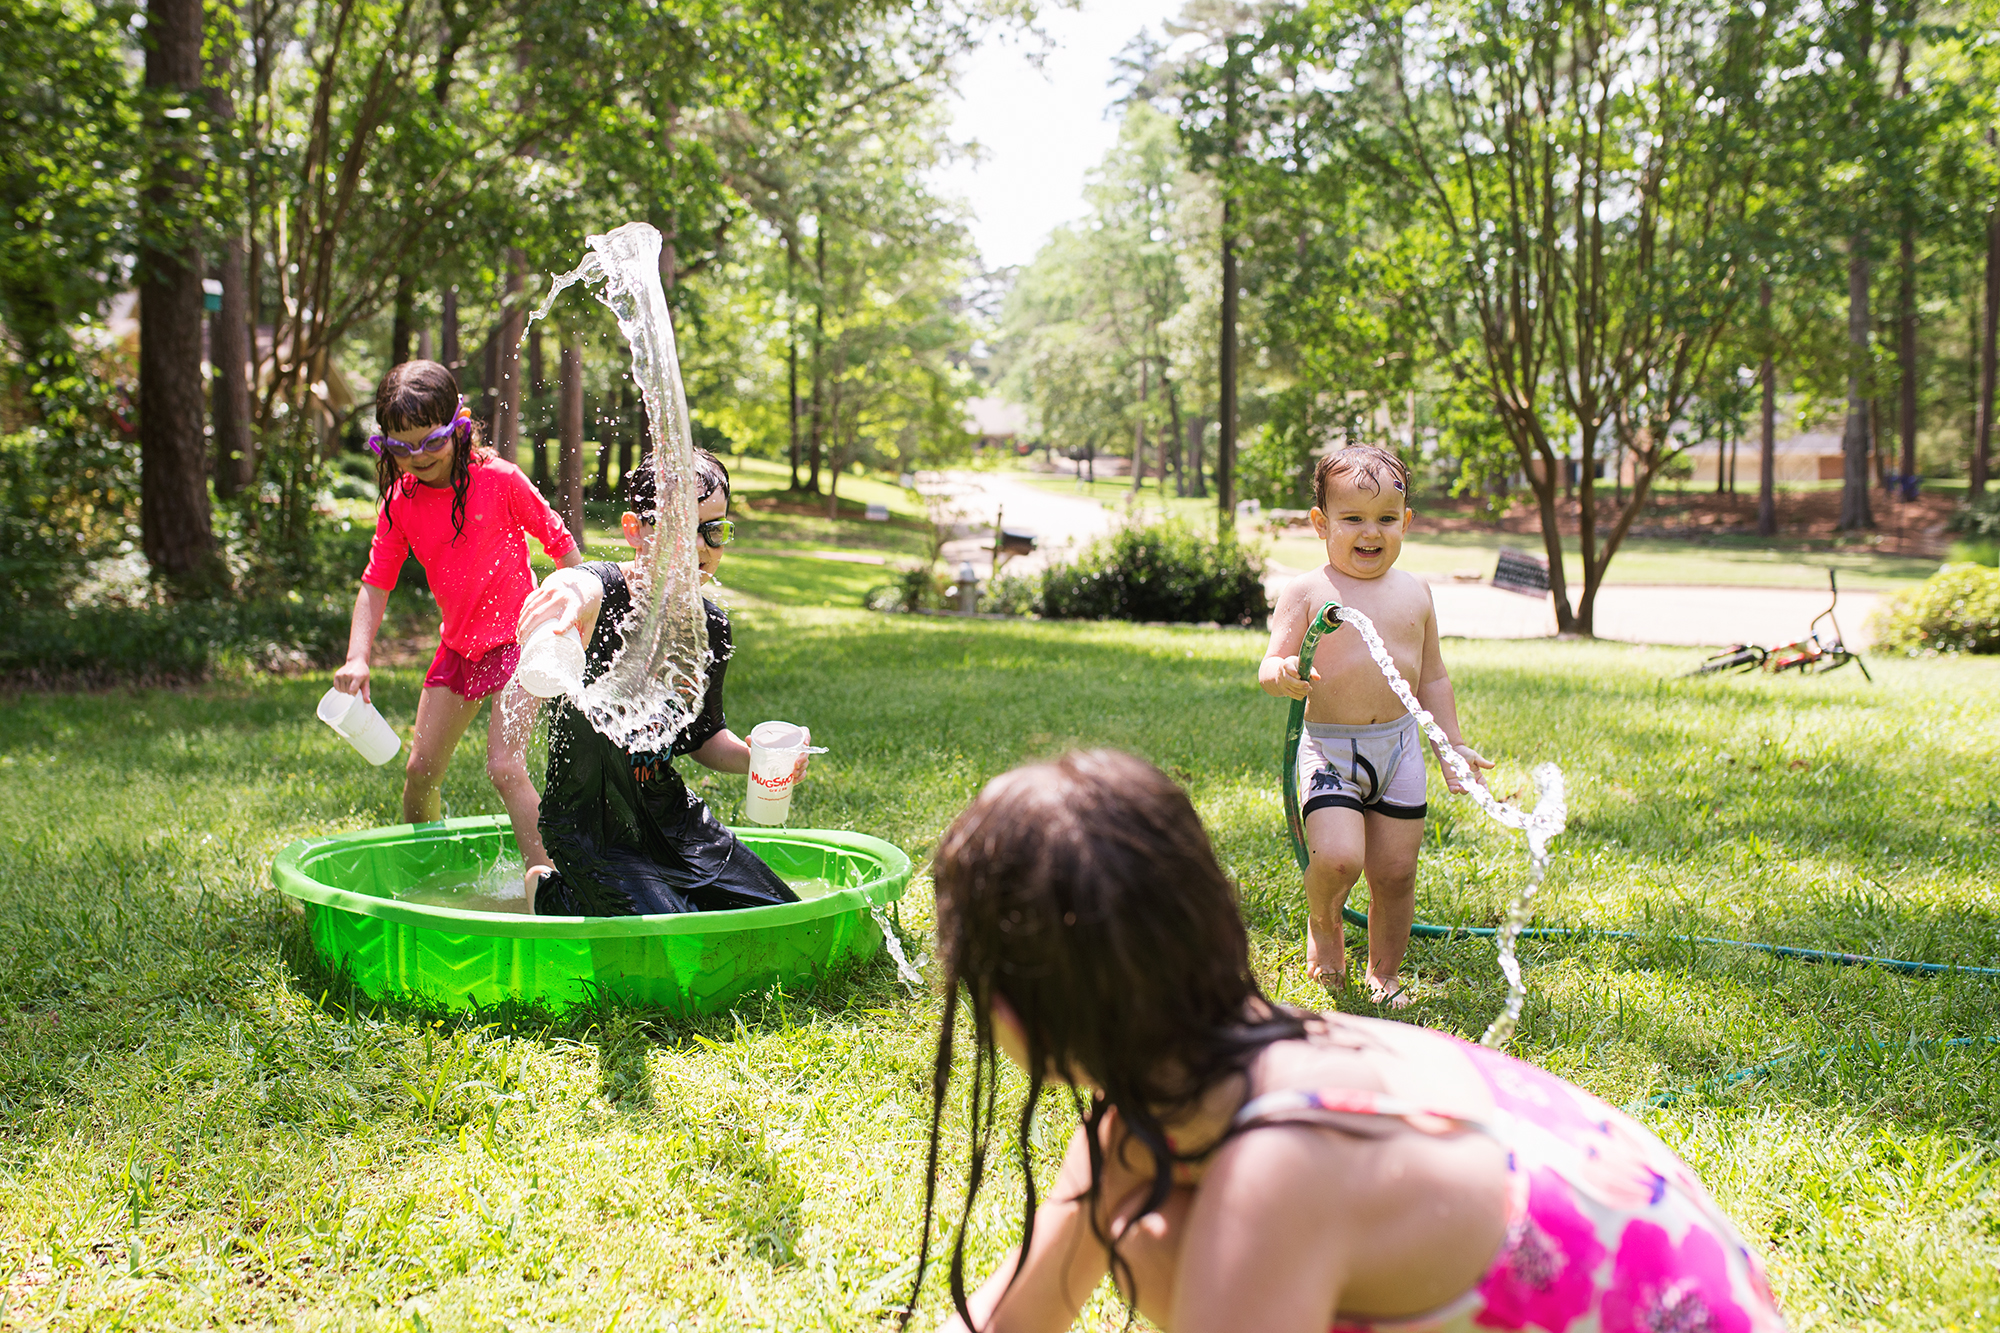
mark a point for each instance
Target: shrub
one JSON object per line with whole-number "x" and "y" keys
{"x": 1955, "y": 610}
{"x": 1013, "y": 595}
{"x": 1161, "y": 571}
{"x": 1980, "y": 518}
{"x": 916, "y": 588}
{"x": 185, "y": 641}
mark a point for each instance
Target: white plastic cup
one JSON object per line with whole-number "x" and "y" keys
{"x": 775, "y": 748}
{"x": 551, "y": 662}
{"x": 355, "y": 721}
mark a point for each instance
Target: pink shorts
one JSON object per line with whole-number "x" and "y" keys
{"x": 474, "y": 678}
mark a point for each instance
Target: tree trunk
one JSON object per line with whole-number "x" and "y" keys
{"x": 488, "y": 410}
{"x": 1906, "y": 352}
{"x": 792, "y": 354}
{"x": 1854, "y": 511}
{"x": 507, "y": 435}
{"x": 229, "y": 328}
{"x": 1197, "y": 428}
{"x": 535, "y": 415}
{"x": 818, "y": 349}
{"x": 229, "y": 355}
{"x": 569, "y": 430}
{"x": 1983, "y": 444}
{"x": 1139, "y": 430}
{"x": 1176, "y": 433}
{"x": 1767, "y": 451}
{"x": 448, "y": 352}
{"x": 628, "y": 428}
{"x": 601, "y": 489}
{"x": 1225, "y": 448}
{"x": 402, "y": 323}
{"x": 173, "y": 475}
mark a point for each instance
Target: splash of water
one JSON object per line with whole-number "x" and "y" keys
{"x": 654, "y": 687}
{"x": 1541, "y": 824}
{"x": 906, "y": 971}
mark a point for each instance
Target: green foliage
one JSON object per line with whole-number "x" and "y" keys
{"x": 181, "y": 642}
{"x": 69, "y": 153}
{"x": 1013, "y": 594}
{"x": 1163, "y": 571}
{"x": 915, "y": 588}
{"x": 1979, "y": 518}
{"x": 69, "y": 482}
{"x": 1275, "y": 467}
{"x": 1956, "y": 610}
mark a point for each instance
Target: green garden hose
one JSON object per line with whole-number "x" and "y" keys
{"x": 1328, "y": 620}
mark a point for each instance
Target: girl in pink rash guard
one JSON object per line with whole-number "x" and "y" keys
{"x": 466, "y": 516}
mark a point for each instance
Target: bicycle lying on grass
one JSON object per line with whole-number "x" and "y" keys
{"x": 1814, "y": 653}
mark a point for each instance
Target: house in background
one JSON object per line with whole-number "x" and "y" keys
{"x": 1812, "y": 456}
{"x": 995, "y": 423}
{"x": 1808, "y": 457}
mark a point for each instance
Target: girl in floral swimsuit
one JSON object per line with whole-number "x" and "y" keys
{"x": 1246, "y": 1166}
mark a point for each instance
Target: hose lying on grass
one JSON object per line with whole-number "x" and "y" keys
{"x": 1541, "y": 825}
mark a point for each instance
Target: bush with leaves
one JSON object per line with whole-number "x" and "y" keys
{"x": 1161, "y": 571}
{"x": 1013, "y": 595}
{"x": 1956, "y": 610}
{"x": 180, "y": 642}
{"x": 916, "y": 588}
{"x": 1979, "y": 518}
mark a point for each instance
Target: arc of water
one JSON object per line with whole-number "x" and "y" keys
{"x": 1541, "y": 824}
{"x": 655, "y": 686}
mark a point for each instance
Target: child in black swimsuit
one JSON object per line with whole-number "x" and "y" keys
{"x": 626, "y": 835}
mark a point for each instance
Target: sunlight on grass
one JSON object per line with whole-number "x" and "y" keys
{"x": 200, "y": 1127}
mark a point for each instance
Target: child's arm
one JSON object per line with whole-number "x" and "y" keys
{"x": 726, "y": 752}
{"x": 1066, "y": 1261}
{"x": 387, "y": 550}
{"x": 535, "y": 516}
{"x": 1435, "y": 694}
{"x": 369, "y": 605}
{"x": 570, "y": 597}
{"x": 1279, "y": 675}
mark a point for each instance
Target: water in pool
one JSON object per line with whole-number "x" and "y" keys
{"x": 497, "y": 888}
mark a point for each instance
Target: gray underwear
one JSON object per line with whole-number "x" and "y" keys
{"x": 1377, "y": 767}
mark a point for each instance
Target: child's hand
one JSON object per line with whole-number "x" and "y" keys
{"x": 352, "y": 678}
{"x": 1290, "y": 683}
{"x": 557, "y": 600}
{"x": 1474, "y": 759}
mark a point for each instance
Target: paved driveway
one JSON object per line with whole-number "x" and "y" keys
{"x": 1644, "y": 613}
{"x": 1633, "y": 613}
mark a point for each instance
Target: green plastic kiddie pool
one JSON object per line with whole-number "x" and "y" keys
{"x": 699, "y": 962}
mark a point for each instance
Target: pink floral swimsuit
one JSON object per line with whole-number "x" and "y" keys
{"x": 1607, "y": 1230}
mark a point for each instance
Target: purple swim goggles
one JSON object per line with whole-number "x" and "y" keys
{"x": 459, "y": 428}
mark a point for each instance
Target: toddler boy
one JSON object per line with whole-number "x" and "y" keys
{"x": 1361, "y": 767}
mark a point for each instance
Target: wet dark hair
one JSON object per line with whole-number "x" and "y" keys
{"x": 1358, "y": 463}
{"x": 642, "y": 488}
{"x": 1086, "y": 894}
{"x": 416, "y": 395}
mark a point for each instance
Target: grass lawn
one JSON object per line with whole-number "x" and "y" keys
{"x": 197, "y": 1128}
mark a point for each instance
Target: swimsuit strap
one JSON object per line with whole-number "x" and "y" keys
{"x": 1312, "y": 1103}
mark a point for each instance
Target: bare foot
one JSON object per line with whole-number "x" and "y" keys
{"x": 1326, "y": 959}
{"x": 1393, "y": 994}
